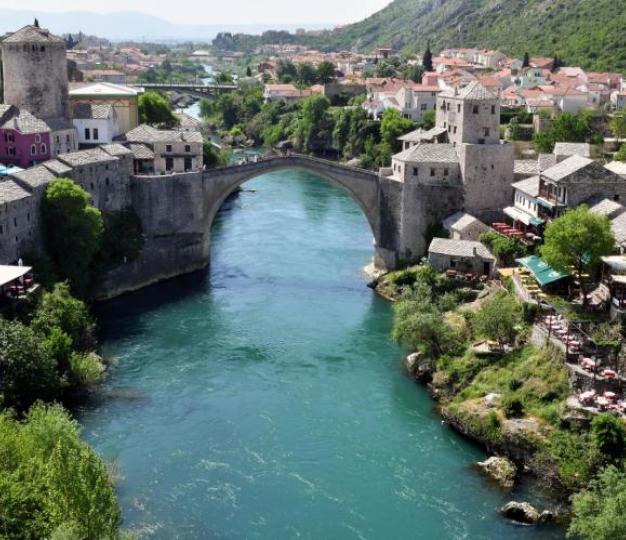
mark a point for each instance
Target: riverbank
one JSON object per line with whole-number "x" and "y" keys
{"x": 509, "y": 397}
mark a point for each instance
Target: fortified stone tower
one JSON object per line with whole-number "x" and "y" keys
{"x": 35, "y": 72}
{"x": 472, "y": 118}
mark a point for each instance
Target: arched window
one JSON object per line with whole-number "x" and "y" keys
{"x": 37, "y": 138}
{"x": 33, "y": 149}
{"x": 43, "y": 148}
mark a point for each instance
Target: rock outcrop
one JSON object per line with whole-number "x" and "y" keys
{"x": 500, "y": 469}
{"x": 525, "y": 513}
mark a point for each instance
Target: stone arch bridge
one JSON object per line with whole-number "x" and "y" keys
{"x": 177, "y": 212}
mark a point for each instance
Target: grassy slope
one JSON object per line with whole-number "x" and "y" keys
{"x": 589, "y": 33}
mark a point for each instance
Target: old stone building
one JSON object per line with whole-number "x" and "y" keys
{"x": 18, "y": 211}
{"x": 159, "y": 151}
{"x": 34, "y": 71}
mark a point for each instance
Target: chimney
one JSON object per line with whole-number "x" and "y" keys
{"x": 475, "y": 250}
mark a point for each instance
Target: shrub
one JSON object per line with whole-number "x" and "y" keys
{"x": 609, "y": 436}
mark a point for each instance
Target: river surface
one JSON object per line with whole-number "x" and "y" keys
{"x": 263, "y": 398}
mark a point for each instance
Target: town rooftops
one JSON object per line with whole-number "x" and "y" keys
{"x": 115, "y": 149}
{"x": 92, "y": 111}
{"x": 141, "y": 151}
{"x": 34, "y": 177}
{"x": 24, "y": 122}
{"x": 528, "y": 186}
{"x": 148, "y": 134}
{"x": 10, "y": 191}
{"x": 563, "y": 171}
{"x": 420, "y": 135}
{"x": 605, "y": 207}
{"x": 460, "y": 248}
{"x": 443, "y": 153}
{"x": 474, "y": 91}
{"x": 460, "y": 221}
{"x": 618, "y": 226}
{"x": 525, "y": 166}
{"x": 58, "y": 168}
{"x": 86, "y": 157}
{"x": 32, "y": 34}
{"x": 59, "y": 124}
{"x": 104, "y": 89}
{"x": 572, "y": 149}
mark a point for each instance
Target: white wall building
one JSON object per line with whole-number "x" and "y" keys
{"x": 96, "y": 124}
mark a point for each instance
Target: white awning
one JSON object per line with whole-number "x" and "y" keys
{"x": 9, "y": 274}
{"x": 518, "y": 215}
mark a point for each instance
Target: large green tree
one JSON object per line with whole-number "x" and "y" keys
{"x": 576, "y": 241}
{"x": 618, "y": 125}
{"x": 566, "y": 127}
{"x": 497, "y": 317}
{"x": 314, "y": 127}
{"x": 325, "y": 72}
{"x": 154, "y": 109}
{"x": 599, "y": 511}
{"x": 73, "y": 231}
{"x": 392, "y": 126}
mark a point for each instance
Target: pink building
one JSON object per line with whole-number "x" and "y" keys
{"x": 24, "y": 139}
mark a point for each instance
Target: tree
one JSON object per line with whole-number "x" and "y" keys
{"x": 618, "y": 125}
{"x": 27, "y": 370}
{"x": 59, "y": 309}
{"x": 155, "y": 109}
{"x": 248, "y": 71}
{"x": 286, "y": 71}
{"x": 620, "y": 155}
{"x": 514, "y": 131}
{"x": 413, "y": 72}
{"x": 206, "y": 108}
{"x": 598, "y": 512}
{"x": 427, "y": 121}
{"x": 577, "y": 240}
{"x": 526, "y": 60}
{"x": 314, "y": 128}
{"x": 609, "y": 436}
{"x": 72, "y": 231}
{"x": 212, "y": 156}
{"x": 498, "y": 317}
{"x": 306, "y": 74}
{"x": 427, "y": 59}
{"x": 392, "y": 126}
{"x": 567, "y": 127}
{"x": 325, "y": 72}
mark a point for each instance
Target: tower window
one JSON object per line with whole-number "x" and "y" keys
{"x": 432, "y": 172}
{"x": 458, "y": 108}
{"x": 168, "y": 147}
{"x": 87, "y": 134}
{"x": 493, "y": 109}
{"x": 475, "y": 109}
{"x": 414, "y": 171}
{"x": 33, "y": 149}
{"x": 486, "y": 132}
{"x": 187, "y": 148}
{"x": 43, "y": 48}
{"x": 95, "y": 134}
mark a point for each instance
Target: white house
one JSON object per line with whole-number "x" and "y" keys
{"x": 96, "y": 124}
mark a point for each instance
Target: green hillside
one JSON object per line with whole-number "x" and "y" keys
{"x": 589, "y": 33}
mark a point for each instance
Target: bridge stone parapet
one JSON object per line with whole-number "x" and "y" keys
{"x": 177, "y": 212}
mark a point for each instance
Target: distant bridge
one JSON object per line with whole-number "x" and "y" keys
{"x": 199, "y": 89}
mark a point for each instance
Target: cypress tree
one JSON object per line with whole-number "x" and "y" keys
{"x": 427, "y": 60}
{"x": 526, "y": 61}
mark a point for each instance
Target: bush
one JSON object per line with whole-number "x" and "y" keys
{"x": 85, "y": 369}
{"x": 609, "y": 436}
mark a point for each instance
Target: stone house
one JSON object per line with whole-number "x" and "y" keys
{"x": 123, "y": 99}
{"x": 63, "y": 136}
{"x": 24, "y": 139}
{"x": 463, "y": 226}
{"x": 95, "y": 124}
{"x": 564, "y": 150}
{"x": 413, "y": 138}
{"x": 164, "y": 151}
{"x": 18, "y": 213}
{"x": 287, "y": 93}
{"x": 462, "y": 256}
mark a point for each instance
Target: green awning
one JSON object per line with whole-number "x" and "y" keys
{"x": 541, "y": 270}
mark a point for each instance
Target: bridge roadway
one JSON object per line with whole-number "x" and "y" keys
{"x": 189, "y": 88}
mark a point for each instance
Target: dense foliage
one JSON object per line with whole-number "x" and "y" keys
{"x": 73, "y": 231}
{"x": 566, "y": 127}
{"x": 155, "y": 109}
{"x": 52, "y": 485}
{"x": 498, "y": 317}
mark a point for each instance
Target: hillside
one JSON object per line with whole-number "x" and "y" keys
{"x": 589, "y": 33}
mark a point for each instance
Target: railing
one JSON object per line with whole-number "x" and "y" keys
{"x": 190, "y": 86}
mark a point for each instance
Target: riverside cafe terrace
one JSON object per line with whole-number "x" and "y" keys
{"x": 16, "y": 282}
{"x": 542, "y": 273}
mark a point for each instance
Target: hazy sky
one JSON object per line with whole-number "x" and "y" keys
{"x": 221, "y": 11}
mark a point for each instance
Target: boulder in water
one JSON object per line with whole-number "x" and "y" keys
{"x": 501, "y": 469}
{"x": 521, "y": 512}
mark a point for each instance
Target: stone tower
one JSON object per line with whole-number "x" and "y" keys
{"x": 34, "y": 72}
{"x": 472, "y": 117}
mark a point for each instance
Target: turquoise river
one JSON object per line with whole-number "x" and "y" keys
{"x": 263, "y": 398}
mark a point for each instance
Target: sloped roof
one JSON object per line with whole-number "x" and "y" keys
{"x": 147, "y": 134}
{"x": 85, "y": 157}
{"x": 35, "y": 176}
{"x": 572, "y": 149}
{"x": 525, "y": 166}
{"x": 529, "y": 186}
{"x": 444, "y": 153}
{"x": 605, "y": 207}
{"x": 11, "y": 192}
{"x": 24, "y": 122}
{"x": 141, "y": 151}
{"x": 474, "y": 91}
{"x": 567, "y": 167}
{"x": 419, "y": 135}
{"x": 618, "y": 226}
{"x": 617, "y": 167}
{"x": 30, "y": 34}
{"x": 92, "y": 111}
{"x": 460, "y": 248}
{"x": 103, "y": 89}
{"x": 460, "y": 221}
{"x": 115, "y": 149}
{"x": 57, "y": 167}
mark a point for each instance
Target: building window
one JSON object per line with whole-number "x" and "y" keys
{"x": 448, "y": 106}
{"x": 15, "y": 222}
{"x": 43, "y": 48}
{"x": 58, "y": 139}
{"x": 67, "y": 138}
{"x": 454, "y": 129}
{"x": 43, "y": 148}
{"x": 87, "y": 134}
{"x": 95, "y": 134}
{"x": 458, "y": 108}
{"x": 414, "y": 171}
{"x": 445, "y": 172}
{"x": 493, "y": 109}
{"x": 616, "y": 198}
{"x": 475, "y": 109}
{"x": 423, "y": 107}
{"x": 188, "y": 164}
{"x": 432, "y": 172}
{"x": 452, "y": 263}
{"x": 92, "y": 186}
{"x": 1, "y": 229}
{"x": 106, "y": 167}
{"x": 486, "y": 130}
{"x": 169, "y": 163}
{"x": 168, "y": 147}
{"x": 187, "y": 148}
{"x": 106, "y": 181}
{"x": 37, "y": 138}
{"x": 33, "y": 149}
{"x": 28, "y": 216}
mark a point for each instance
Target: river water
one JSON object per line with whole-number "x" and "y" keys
{"x": 263, "y": 398}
